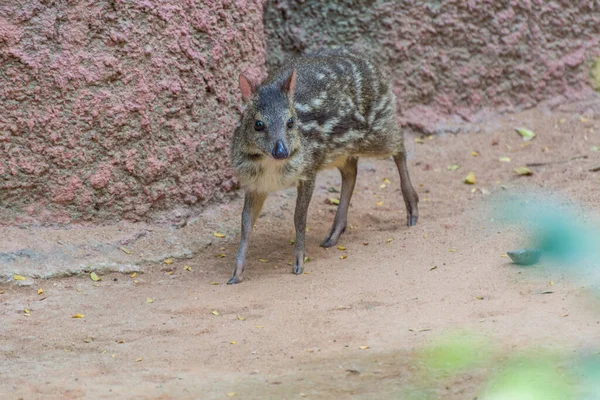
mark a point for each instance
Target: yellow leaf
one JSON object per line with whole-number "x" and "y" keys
{"x": 263, "y": 260}
{"x": 504, "y": 256}
{"x": 364, "y": 347}
{"x": 382, "y": 186}
{"x": 136, "y": 281}
{"x": 168, "y": 261}
{"x": 306, "y": 273}
{"x": 78, "y": 316}
{"x": 187, "y": 268}
{"x": 341, "y": 248}
{"x": 584, "y": 120}
{"x": 379, "y": 203}
{"x": 139, "y": 359}
{"x": 231, "y": 394}
{"x": 419, "y": 140}
{"x": 526, "y": 134}
{"x": 233, "y": 342}
{"x": 343, "y": 257}
{"x": 475, "y": 154}
{"x": 40, "y": 291}
{"x": 259, "y": 326}
{"x": 133, "y": 275}
{"x": 562, "y": 120}
{"x": 149, "y": 300}
{"x": 26, "y": 311}
{"x": 219, "y": 235}
{"x": 169, "y": 272}
{"x": 470, "y": 179}
{"x": 306, "y": 259}
{"x": 18, "y": 277}
{"x": 551, "y": 283}
{"x": 504, "y": 159}
{"x": 220, "y": 255}
{"x": 95, "y": 277}
{"x": 215, "y": 283}
{"x": 523, "y": 171}
{"x": 334, "y": 201}
{"x": 386, "y": 181}
{"x": 96, "y": 285}
{"x": 113, "y": 355}
{"x": 241, "y": 318}
{"x": 389, "y": 240}
{"x": 452, "y": 250}
{"x": 453, "y": 167}
{"x": 479, "y": 297}
{"x": 124, "y": 250}
{"x": 215, "y": 312}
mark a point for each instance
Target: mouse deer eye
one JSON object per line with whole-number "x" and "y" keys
{"x": 259, "y": 126}
{"x": 290, "y": 123}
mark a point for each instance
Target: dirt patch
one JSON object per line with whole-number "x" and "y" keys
{"x": 278, "y": 335}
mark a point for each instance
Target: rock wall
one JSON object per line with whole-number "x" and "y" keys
{"x": 451, "y": 58}
{"x": 123, "y": 109}
{"x": 116, "y": 109}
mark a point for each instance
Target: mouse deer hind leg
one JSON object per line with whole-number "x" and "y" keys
{"x": 349, "y": 172}
{"x": 411, "y": 199}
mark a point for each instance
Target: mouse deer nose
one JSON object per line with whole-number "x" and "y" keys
{"x": 279, "y": 152}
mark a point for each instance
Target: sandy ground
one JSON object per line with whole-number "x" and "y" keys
{"x": 277, "y": 335}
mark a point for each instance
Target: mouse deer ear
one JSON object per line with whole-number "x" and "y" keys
{"x": 246, "y": 87}
{"x": 289, "y": 84}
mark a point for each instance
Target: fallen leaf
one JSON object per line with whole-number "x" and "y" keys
{"x": 452, "y": 250}
{"x": 453, "y": 167}
{"x": 168, "y": 261}
{"x": 475, "y": 154}
{"x": 565, "y": 315}
{"x": 526, "y": 134}
{"x": 18, "y": 277}
{"x": 547, "y": 292}
{"x": 88, "y": 340}
{"x": 220, "y": 255}
{"x": 140, "y": 359}
{"x": 215, "y": 283}
{"x": 386, "y": 181}
{"x": 343, "y": 257}
{"x": 259, "y": 326}
{"x": 306, "y": 273}
{"x": 2, "y": 291}
{"x": 40, "y": 291}
{"x": 124, "y": 250}
{"x": 341, "y": 248}
{"x": 231, "y": 394}
{"x": 263, "y": 260}
{"x": 551, "y": 283}
{"x": 292, "y": 241}
{"x": 479, "y": 297}
{"x": 78, "y": 316}
{"x": 219, "y": 235}
{"x": 215, "y": 312}
{"x": 584, "y": 120}
{"x": 504, "y": 256}
{"x": 595, "y": 148}
{"x": 334, "y": 201}
{"x": 233, "y": 342}
{"x": 332, "y": 190}
{"x": 364, "y": 347}
{"x": 470, "y": 179}
{"x": 389, "y": 240}
{"x": 149, "y": 300}
{"x": 504, "y": 159}
{"x": 133, "y": 275}
{"x": 187, "y": 268}
{"x": 382, "y": 186}
{"x": 562, "y": 120}
{"x": 26, "y": 311}
{"x": 136, "y": 281}
{"x": 113, "y": 355}
{"x": 241, "y": 318}
{"x": 379, "y": 203}
{"x": 523, "y": 171}
{"x": 95, "y": 277}
{"x": 432, "y": 268}
{"x": 306, "y": 259}
{"x": 419, "y": 140}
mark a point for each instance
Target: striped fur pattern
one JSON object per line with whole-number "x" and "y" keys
{"x": 342, "y": 108}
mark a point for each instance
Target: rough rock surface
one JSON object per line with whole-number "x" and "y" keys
{"x": 451, "y": 58}
{"x": 120, "y": 109}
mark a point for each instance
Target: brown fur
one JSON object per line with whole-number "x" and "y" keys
{"x": 342, "y": 109}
